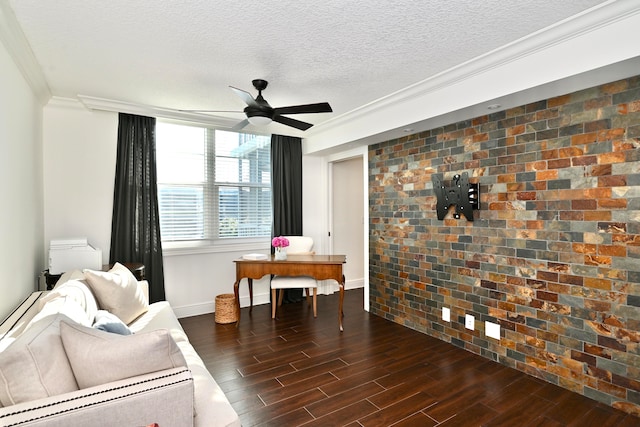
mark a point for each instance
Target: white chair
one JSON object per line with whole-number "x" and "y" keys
{"x": 298, "y": 245}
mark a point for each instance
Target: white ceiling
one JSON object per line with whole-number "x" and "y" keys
{"x": 179, "y": 55}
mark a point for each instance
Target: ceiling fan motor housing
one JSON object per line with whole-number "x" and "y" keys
{"x": 259, "y": 112}
{"x": 260, "y": 107}
{"x": 260, "y": 84}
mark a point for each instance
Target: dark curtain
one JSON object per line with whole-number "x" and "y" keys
{"x": 135, "y": 226}
{"x": 286, "y": 187}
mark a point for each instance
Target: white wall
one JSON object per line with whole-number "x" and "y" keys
{"x": 21, "y": 188}
{"x": 193, "y": 280}
{"x": 79, "y": 169}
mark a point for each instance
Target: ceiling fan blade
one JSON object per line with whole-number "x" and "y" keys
{"x": 321, "y": 107}
{"x": 210, "y": 111}
{"x": 245, "y": 96}
{"x": 292, "y": 122}
{"x": 240, "y": 125}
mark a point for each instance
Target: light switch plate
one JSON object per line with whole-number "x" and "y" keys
{"x": 446, "y": 314}
{"x": 469, "y": 322}
{"x": 492, "y": 330}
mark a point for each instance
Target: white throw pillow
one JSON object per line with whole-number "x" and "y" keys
{"x": 99, "y": 357}
{"x": 117, "y": 291}
{"x": 69, "y": 275}
{"x": 35, "y": 365}
{"x": 76, "y": 290}
{"x": 62, "y": 304}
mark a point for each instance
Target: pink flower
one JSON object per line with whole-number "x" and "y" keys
{"x": 280, "y": 242}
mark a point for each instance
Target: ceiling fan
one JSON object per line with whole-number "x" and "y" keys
{"x": 260, "y": 113}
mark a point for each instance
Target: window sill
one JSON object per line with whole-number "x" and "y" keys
{"x": 180, "y": 249}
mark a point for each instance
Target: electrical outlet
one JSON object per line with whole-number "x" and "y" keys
{"x": 446, "y": 314}
{"x": 492, "y": 330}
{"x": 469, "y": 322}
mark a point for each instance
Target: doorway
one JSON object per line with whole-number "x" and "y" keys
{"x": 348, "y": 217}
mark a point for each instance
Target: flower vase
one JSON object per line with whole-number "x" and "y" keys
{"x": 280, "y": 254}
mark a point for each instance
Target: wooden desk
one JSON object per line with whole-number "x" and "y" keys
{"x": 320, "y": 267}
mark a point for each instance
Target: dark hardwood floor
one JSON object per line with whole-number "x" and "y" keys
{"x": 298, "y": 370}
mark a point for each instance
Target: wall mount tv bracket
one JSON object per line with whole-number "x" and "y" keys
{"x": 464, "y": 195}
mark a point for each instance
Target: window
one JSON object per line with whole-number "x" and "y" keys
{"x": 212, "y": 184}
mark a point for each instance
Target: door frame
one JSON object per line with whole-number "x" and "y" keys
{"x": 361, "y": 152}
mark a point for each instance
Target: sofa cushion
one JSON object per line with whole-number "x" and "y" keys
{"x": 63, "y": 304}
{"x": 109, "y": 322}
{"x": 99, "y": 357}
{"x": 35, "y": 365}
{"x": 159, "y": 316}
{"x": 117, "y": 291}
{"x": 76, "y": 290}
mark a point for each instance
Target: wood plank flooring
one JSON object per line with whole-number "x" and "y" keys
{"x": 297, "y": 370}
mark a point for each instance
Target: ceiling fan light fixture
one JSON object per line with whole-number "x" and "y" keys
{"x": 259, "y": 120}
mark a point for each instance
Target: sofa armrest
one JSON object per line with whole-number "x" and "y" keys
{"x": 163, "y": 397}
{"x": 14, "y": 324}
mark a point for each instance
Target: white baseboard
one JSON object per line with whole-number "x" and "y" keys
{"x": 193, "y": 309}
{"x": 354, "y": 284}
{"x": 258, "y": 299}
{"x": 209, "y": 307}
{"x": 327, "y": 287}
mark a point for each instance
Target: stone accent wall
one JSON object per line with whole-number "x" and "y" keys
{"x": 553, "y": 254}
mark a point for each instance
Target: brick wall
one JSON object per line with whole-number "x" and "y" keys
{"x": 553, "y": 254}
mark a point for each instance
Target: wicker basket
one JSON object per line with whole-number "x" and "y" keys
{"x": 226, "y": 309}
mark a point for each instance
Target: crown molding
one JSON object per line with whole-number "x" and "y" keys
{"x": 104, "y": 104}
{"x": 18, "y": 47}
{"x": 69, "y": 103}
{"x": 561, "y": 32}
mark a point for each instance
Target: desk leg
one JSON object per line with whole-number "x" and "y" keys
{"x": 237, "y": 293}
{"x": 250, "y": 281}
{"x": 340, "y": 312}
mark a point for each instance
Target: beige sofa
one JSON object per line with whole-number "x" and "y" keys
{"x": 93, "y": 352}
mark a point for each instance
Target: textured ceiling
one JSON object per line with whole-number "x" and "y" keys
{"x": 184, "y": 55}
